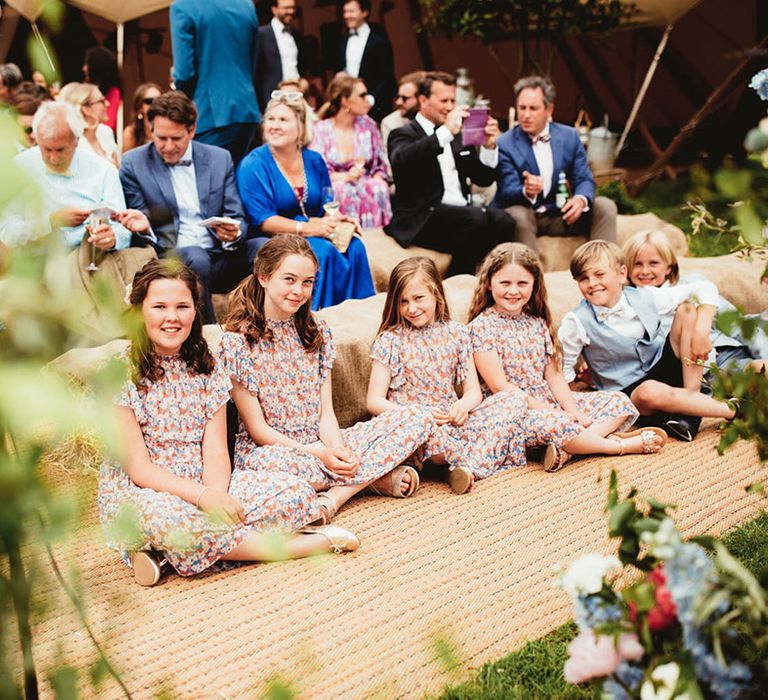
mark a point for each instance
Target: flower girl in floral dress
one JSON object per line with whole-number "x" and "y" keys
{"x": 510, "y": 326}
{"x": 172, "y": 494}
{"x": 419, "y": 356}
{"x": 279, "y": 357}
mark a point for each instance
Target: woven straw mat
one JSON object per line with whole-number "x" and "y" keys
{"x": 477, "y": 569}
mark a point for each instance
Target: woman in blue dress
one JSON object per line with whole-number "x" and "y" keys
{"x": 282, "y": 185}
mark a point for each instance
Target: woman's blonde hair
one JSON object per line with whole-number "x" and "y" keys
{"x": 78, "y": 94}
{"x": 659, "y": 241}
{"x": 405, "y": 271}
{"x": 300, "y": 108}
{"x": 513, "y": 254}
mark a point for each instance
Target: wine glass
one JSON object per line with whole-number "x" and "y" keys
{"x": 330, "y": 203}
{"x": 95, "y": 220}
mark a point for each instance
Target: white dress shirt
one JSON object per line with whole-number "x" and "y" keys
{"x": 286, "y": 47}
{"x": 355, "y": 48}
{"x": 623, "y": 319}
{"x": 185, "y": 190}
{"x": 452, "y": 193}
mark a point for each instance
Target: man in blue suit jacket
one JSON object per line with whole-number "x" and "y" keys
{"x": 215, "y": 47}
{"x": 178, "y": 184}
{"x": 531, "y": 157}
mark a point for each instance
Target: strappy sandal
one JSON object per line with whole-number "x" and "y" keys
{"x": 328, "y": 510}
{"x": 555, "y": 458}
{"x": 460, "y": 480}
{"x": 395, "y": 477}
{"x": 647, "y": 435}
{"x": 147, "y": 568}
{"x": 339, "y": 539}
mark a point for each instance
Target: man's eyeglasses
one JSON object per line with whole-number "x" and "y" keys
{"x": 148, "y": 101}
{"x": 403, "y": 98}
{"x": 90, "y": 103}
{"x": 289, "y": 95}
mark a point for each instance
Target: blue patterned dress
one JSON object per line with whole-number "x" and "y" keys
{"x": 524, "y": 347}
{"x": 426, "y": 364}
{"x": 287, "y": 379}
{"x": 173, "y": 413}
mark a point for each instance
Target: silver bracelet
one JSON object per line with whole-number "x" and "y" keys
{"x": 299, "y": 226}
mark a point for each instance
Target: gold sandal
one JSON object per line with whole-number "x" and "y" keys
{"x": 555, "y": 458}
{"x": 646, "y": 435}
{"x": 328, "y": 510}
{"x": 339, "y": 539}
{"x": 460, "y": 480}
{"x": 393, "y": 487}
{"x": 147, "y": 569}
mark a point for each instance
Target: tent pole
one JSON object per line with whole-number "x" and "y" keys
{"x": 39, "y": 37}
{"x": 120, "y": 113}
{"x": 643, "y": 89}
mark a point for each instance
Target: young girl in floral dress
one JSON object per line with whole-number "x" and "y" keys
{"x": 172, "y": 490}
{"x": 419, "y": 356}
{"x": 279, "y": 358}
{"x": 513, "y": 344}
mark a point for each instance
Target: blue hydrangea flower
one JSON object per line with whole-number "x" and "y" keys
{"x": 591, "y": 611}
{"x": 759, "y": 83}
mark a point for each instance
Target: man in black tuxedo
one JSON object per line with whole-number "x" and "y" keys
{"x": 280, "y": 55}
{"x": 367, "y": 55}
{"x": 431, "y": 169}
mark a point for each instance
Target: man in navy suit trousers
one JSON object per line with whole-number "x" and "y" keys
{"x": 179, "y": 183}
{"x": 280, "y": 55}
{"x": 215, "y": 46}
{"x": 367, "y": 55}
{"x": 531, "y": 157}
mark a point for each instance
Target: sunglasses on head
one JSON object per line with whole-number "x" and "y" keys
{"x": 290, "y": 95}
{"x": 148, "y": 100}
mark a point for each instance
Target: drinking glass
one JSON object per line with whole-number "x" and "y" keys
{"x": 94, "y": 221}
{"x": 330, "y": 203}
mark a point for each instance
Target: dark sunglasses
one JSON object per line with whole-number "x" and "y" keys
{"x": 403, "y": 98}
{"x": 148, "y": 100}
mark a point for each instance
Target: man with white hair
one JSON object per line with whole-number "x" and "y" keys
{"x": 72, "y": 182}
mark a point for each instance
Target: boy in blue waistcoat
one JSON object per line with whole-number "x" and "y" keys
{"x": 622, "y": 338}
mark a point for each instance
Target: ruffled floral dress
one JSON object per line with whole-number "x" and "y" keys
{"x": 173, "y": 413}
{"x": 426, "y": 365}
{"x": 287, "y": 379}
{"x": 524, "y": 347}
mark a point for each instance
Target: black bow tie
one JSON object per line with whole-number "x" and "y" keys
{"x": 544, "y": 138}
{"x": 182, "y": 163}
{"x": 353, "y": 32}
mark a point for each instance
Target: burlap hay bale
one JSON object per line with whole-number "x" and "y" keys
{"x": 737, "y": 278}
{"x": 384, "y": 252}
{"x": 556, "y": 251}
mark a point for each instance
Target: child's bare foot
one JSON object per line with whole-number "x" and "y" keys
{"x": 401, "y": 482}
{"x": 643, "y": 441}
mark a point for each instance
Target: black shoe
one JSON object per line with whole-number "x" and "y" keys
{"x": 683, "y": 428}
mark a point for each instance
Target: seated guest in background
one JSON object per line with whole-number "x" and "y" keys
{"x": 73, "y": 182}
{"x": 350, "y": 142}
{"x": 431, "y": 167}
{"x": 406, "y": 104}
{"x": 26, "y": 102}
{"x": 282, "y": 185}
{"x": 97, "y": 136}
{"x": 100, "y": 69}
{"x": 178, "y": 184}
{"x": 532, "y": 156}
{"x": 10, "y": 79}
{"x": 280, "y": 55}
{"x": 139, "y": 131}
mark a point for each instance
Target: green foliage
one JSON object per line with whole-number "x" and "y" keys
{"x": 524, "y": 20}
{"x": 280, "y": 688}
{"x": 617, "y": 191}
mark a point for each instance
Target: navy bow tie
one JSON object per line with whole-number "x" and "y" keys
{"x": 183, "y": 163}
{"x": 544, "y": 138}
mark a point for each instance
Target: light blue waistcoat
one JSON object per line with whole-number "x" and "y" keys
{"x": 616, "y": 360}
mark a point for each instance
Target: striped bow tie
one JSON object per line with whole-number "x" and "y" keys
{"x": 543, "y": 138}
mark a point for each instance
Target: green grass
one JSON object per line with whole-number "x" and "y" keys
{"x": 536, "y": 670}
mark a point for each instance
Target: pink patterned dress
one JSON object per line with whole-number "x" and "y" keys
{"x": 287, "y": 380}
{"x": 366, "y": 199}
{"x": 173, "y": 413}
{"x": 524, "y": 347}
{"x": 426, "y": 365}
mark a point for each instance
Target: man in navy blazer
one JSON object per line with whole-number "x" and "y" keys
{"x": 215, "y": 46}
{"x": 531, "y": 157}
{"x": 178, "y": 184}
{"x": 280, "y": 54}
{"x": 367, "y": 54}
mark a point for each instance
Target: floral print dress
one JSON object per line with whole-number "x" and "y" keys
{"x": 524, "y": 346}
{"x": 173, "y": 413}
{"x": 287, "y": 379}
{"x": 426, "y": 364}
{"x": 367, "y": 198}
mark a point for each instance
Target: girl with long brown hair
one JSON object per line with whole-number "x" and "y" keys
{"x": 514, "y": 347}
{"x": 171, "y": 497}
{"x": 279, "y": 357}
{"x": 139, "y": 130}
{"x": 419, "y": 356}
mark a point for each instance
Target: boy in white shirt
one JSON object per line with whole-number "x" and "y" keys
{"x": 622, "y": 338}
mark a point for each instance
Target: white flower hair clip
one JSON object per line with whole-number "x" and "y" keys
{"x": 128, "y": 290}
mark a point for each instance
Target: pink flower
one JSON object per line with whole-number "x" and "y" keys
{"x": 664, "y": 613}
{"x": 630, "y": 647}
{"x": 590, "y": 657}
